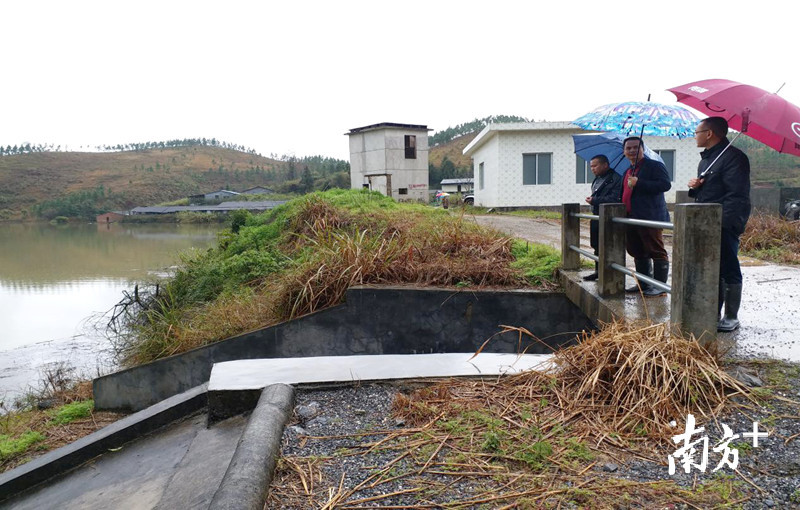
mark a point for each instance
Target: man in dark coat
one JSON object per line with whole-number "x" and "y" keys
{"x": 723, "y": 177}
{"x": 643, "y": 187}
{"x": 606, "y": 189}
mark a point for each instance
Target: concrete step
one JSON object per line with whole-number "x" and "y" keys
{"x": 201, "y": 470}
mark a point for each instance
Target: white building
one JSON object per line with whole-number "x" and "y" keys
{"x": 458, "y": 185}
{"x": 390, "y": 158}
{"x": 530, "y": 164}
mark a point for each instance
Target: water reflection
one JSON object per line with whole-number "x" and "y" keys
{"x": 52, "y": 278}
{"x": 41, "y": 255}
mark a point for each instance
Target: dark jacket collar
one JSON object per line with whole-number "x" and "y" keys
{"x": 715, "y": 150}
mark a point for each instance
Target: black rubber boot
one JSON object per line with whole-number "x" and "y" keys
{"x": 644, "y": 266}
{"x": 721, "y": 296}
{"x": 660, "y": 273}
{"x": 591, "y": 277}
{"x": 733, "y": 298}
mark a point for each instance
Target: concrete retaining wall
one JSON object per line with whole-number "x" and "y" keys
{"x": 379, "y": 320}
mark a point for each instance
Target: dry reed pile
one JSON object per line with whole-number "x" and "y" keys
{"x": 387, "y": 249}
{"x": 772, "y": 238}
{"x": 525, "y": 441}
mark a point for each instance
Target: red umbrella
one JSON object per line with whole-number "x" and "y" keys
{"x": 762, "y": 115}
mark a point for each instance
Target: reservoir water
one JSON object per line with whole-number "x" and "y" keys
{"x": 55, "y": 278}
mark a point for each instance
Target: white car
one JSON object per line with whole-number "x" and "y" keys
{"x": 792, "y": 211}
{"x": 469, "y": 199}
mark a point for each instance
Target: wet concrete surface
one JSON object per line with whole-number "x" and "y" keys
{"x": 181, "y": 466}
{"x": 770, "y": 310}
{"x": 770, "y": 314}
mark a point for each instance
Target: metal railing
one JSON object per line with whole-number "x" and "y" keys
{"x": 695, "y": 259}
{"x": 622, "y": 269}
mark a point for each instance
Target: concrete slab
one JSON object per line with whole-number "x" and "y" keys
{"x": 201, "y": 470}
{"x": 250, "y": 471}
{"x": 180, "y": 466}
{"x": 255, "y": 374}
{"x": 132, "y": 478}
{"x": 106, "y": 439}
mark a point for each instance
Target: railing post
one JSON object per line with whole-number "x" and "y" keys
{"x": 611, "y": 249}
{"x": 695, "y": 270}
{"x": 570, "y": 234}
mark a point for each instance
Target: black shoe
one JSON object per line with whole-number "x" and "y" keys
{"x": 590, "y": 277}
{"x": 651, "y": 291}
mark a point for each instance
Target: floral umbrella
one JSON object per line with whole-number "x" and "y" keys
{"x": 637, "y": 119}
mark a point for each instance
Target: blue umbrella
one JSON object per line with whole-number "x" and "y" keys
{"x": 637, "y": 119}
{"x": 609, "y": 145}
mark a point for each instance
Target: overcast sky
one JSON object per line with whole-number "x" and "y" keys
{"x": 293, "y": 77}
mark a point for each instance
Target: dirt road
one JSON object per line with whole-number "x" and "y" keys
{"x": 537, "y": 230}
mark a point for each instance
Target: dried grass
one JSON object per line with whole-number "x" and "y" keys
{"x": 626, "y": 379}
{"x": 528, "y": 440}
{"x": 388, "y": 249}
{"x": 772, "y": 238}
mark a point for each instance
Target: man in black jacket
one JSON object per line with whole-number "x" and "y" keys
{"x": 723, "y": 177}
{"x": 606, "y": 189}
{"x": 643, "y": 187}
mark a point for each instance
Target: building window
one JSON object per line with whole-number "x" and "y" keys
{"x": 536, "y": 168}
{"x": 669, "y": 162}
{"x": 402, "y": 191}
{"x": 411, "y": 146}
{"x": 583, "y": 173}
{"x": 365, "y": 186}
{"x": 480, "y": 176}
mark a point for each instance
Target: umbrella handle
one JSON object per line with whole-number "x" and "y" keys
{"x": 707, "y": 170}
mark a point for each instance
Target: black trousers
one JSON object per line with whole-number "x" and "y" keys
{"x": 729, "y": 269}
{"x": 594, "y": 235}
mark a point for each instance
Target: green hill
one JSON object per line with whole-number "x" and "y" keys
{"x": 130, "y": 178}
{"x": 767, "y": 166}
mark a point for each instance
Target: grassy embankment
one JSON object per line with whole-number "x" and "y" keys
{"x": 61, "y": 412}
{"x": 303, "y": 256}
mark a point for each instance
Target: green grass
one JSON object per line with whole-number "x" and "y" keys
{"x": 71, "y": 412}
{"x": 538, "y": 262}
{"x": 14, "y": 447}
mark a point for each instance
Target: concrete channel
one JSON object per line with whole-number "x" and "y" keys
{"x": 187, "y": 447}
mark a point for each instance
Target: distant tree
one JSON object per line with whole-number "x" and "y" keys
{"x": 450, "y": 133}
{"x": 239, "y": 219}
{"x": 291, "y": 168}
{"x": 307, "y": 180}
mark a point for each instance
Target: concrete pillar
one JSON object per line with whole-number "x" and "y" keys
{"x": 570, "y": 235}
{"x": 611, "y": 249}
{"x": 695, "y": 270}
